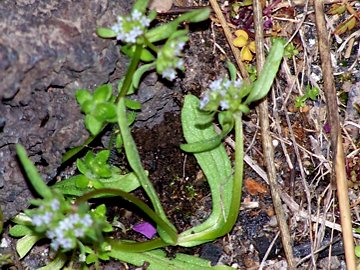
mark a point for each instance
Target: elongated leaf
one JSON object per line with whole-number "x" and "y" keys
{"x": 57, "y": 263}
{"x": 158, "y": 260}
{"x": 140, "y": 72}
{"x": 25, "y": 244}
{"x": 141, "y": 5}
{"x": 105, "y": 32}
{"x": 217, "y": 169}
{"x": 194, "y": 16}
{"x": 19, "y": 230}
{"x": 232, "y": 70}
{"x": 74, "y": 151}
{"x": 70, "y": 186}
{"x": 206, "y": 145}
{"x": 134, "y": 160}
{"x": 34, "y": 177}
{"x": 263, "y": 84}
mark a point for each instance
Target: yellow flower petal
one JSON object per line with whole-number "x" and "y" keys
{"x": 240, "y": 42}
{"x": 252, "y": 46}
{"x": 246, "y": 54}
{"x": 242, "y": 33}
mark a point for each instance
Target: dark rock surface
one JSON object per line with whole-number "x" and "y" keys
{"x": 48, "y": 50}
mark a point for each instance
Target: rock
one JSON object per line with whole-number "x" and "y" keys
{"x": 48, "y": 50}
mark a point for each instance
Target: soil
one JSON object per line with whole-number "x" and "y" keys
{"x": 38, "y": 109}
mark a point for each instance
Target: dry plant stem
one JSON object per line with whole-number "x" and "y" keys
{"x": 267, "y": 141}
{"x": 229, "y": 38}
{"x": 336, "y": 140}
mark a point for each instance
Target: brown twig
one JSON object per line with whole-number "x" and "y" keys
{"x": 267, "y": 141}
{"x": 336, "y": 140}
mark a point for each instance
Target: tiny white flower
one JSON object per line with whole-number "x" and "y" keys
{"x": 87, "y": 220}
{"x": 82, "y": 258}
{"x": 204, "y": 101}
{"x": 238, "y": 83}
{"x": 79, "y": 232}
{"x": 136, "y": 15}
{"x": 227, "y": 84}
{"x": 37, "y": 220}
{"x": 224, "y": 104}
{"x": 215, "y": 85}
{"x": 169, "y": 74}
{"x": 55, "y": 205}
{"x": 144, "y": 21}
{"x": 47, "y": 217}
{"x": 180, "y": 63}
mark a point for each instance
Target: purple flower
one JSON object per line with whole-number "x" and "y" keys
{"x": 145, "y": 229}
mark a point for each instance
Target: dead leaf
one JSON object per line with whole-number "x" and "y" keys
{"x": 347, "y": 25}
{"x": 254, "y": 187}
{"x": 161, "y": 5}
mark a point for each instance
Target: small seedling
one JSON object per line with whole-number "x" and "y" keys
{"x": 310, "y": 93}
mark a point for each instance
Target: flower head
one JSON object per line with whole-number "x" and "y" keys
{"x": 129, "y": 28}
{"x": 169, "y": 57}
{"x": 224, "y": 93}
{"x": 247, "y": 47}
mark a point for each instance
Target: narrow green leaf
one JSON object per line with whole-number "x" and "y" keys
{"x": 194, "y": 16}
{"x": 134, "y": 160}
{"x": 146, "y": 56}
{"x": 158, "y": 260}
{"x": 93, "y": 125}
{"x": 140, "y": 72}
{"x": 25, "y": 244}
{"x": 202, "y": 146}
{"x": 20, "y": 230}
{"x": 263, "y": 84}
{"x": 105, "y": 32}
{"x": 232, "y": 70}
{"x": 34, "y": 177}
{"x": 57, "y": 264}
{"x": 128, "y": 183}
{"x": 162, "y": 32}
{"x": 103, "y": 93}
{"x": 132, "y": 104}
{"x": 140, "y": 5}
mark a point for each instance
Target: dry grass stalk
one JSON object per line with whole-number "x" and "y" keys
{"x": 267, "y": 141}
{"x": 336, "y": 139}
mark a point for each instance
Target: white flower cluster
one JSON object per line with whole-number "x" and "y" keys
{"x": 222, "y": 92}
{"x": 68, "y": 230}
{"x": 62, "y": 230}
{"x": 169, "y": 56}
{"x": 129, "y": 28}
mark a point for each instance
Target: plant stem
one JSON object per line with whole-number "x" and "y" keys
{"x": 130, "y": 72}
{"x": 135, "y": 162}
{"x": 151, "y": 45}
{"x": 238, "y": 174}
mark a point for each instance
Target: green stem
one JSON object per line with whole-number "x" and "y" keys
{"x": 130, "y": 73}
{"x": 135, "y": 163}
{"x": 238, "y": 174}
{"x": 118, "y": 245}
{"x": 139, "y": 203}
{"x": 151, "y": 45}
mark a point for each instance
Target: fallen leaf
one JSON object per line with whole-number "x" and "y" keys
{"x": 254, "y": 187}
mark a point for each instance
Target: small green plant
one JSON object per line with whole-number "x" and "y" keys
{"x": 64, "y": 215}
{"x": 290, "y": 50}
{"x": 310, "y": 93}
